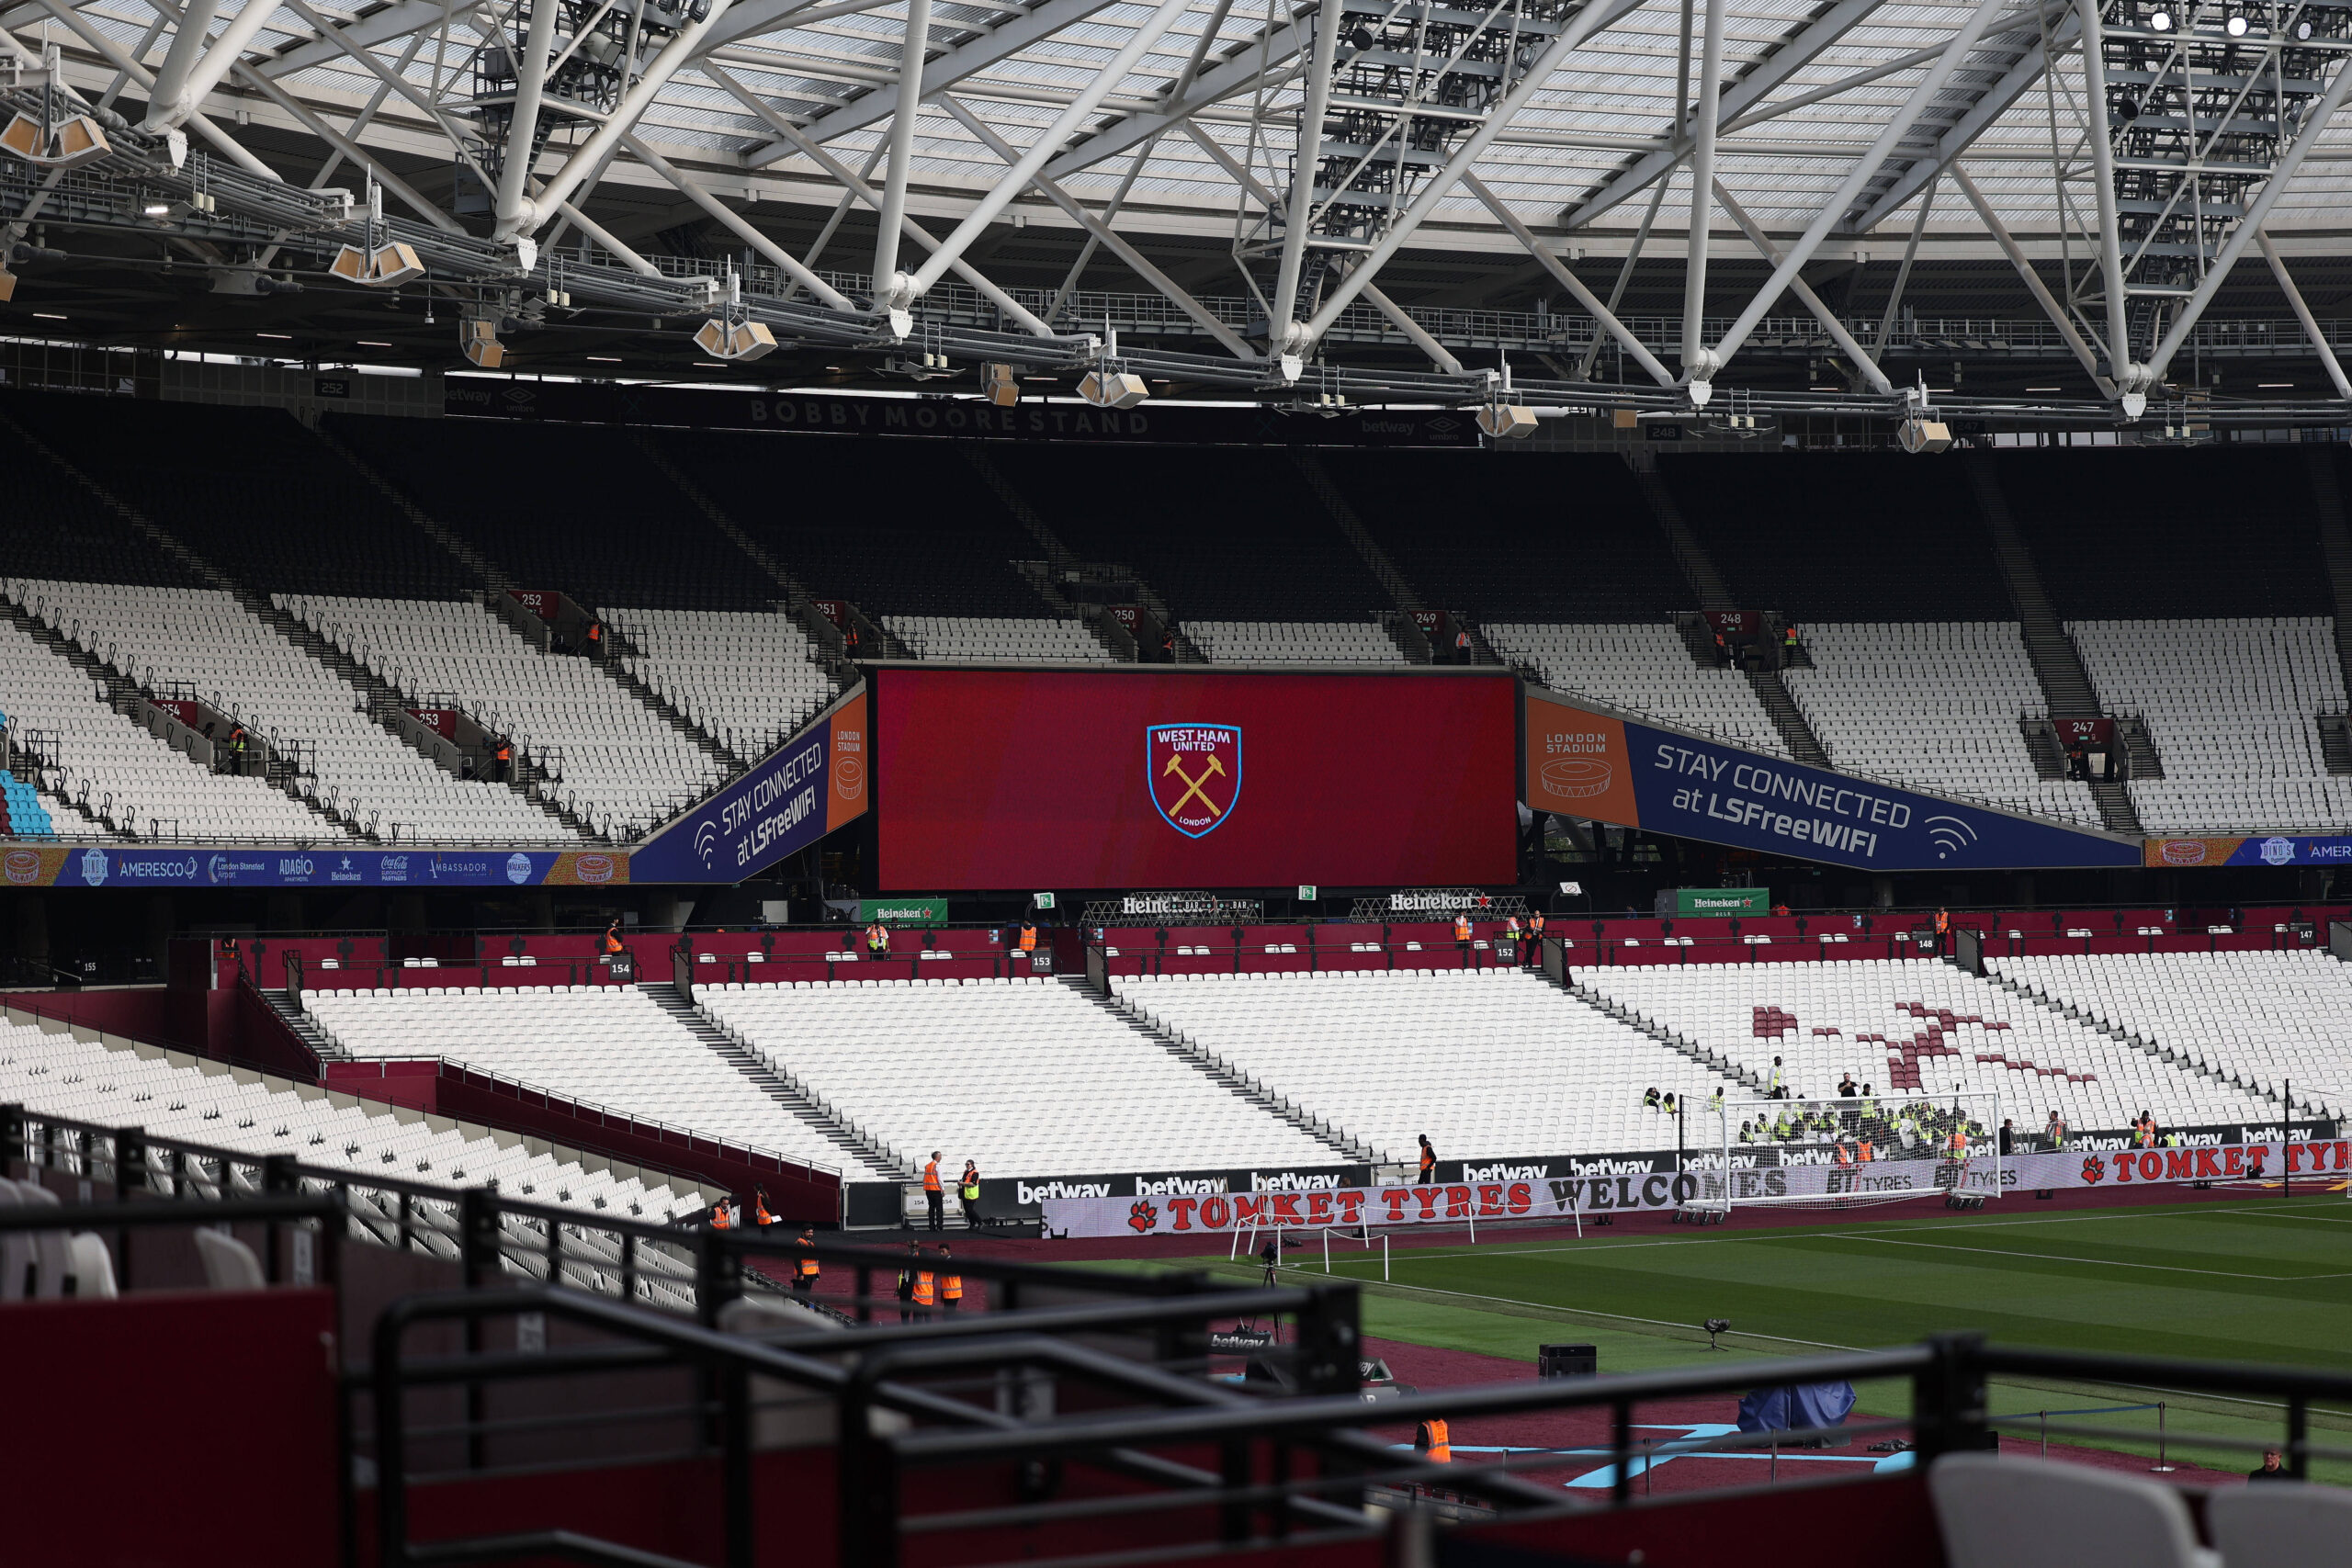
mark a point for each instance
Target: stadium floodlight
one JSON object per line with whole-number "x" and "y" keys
{"x": 2160, "y": 21}
{"x": 1112, "y": 389}
{"x": 999, "y": 385}
{"x": 1924, "y": 435}
{"x": 479, "y": 337}
{"x": 1507, "y": 422}
{"x": 2235, "y": 26}
{"x": 740, "y": 340}
{"x": 2303, "y": 31}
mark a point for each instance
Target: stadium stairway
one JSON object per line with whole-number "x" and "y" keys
{"x": 1346, "y": 1143}
{"x": 1060, "y": 556}
{"x": 2115, "y": 1031}
{"x": 2057, "y": 663}
{"x": 1679, "y": 1044}
{"x": 1698, "y": 567}
{"x": 858, "y": 1153}
{"x": 291, "y": 1013}
{"x": 497, "y": 582}
{"x": 2334, "y": 547}
{"x": 1787, "y": 717}
{"x": 1407, "y": 599}
{"x": 797, "y": 601}
{"x": 389, "y": 708}
{"x": 283, "y": 778}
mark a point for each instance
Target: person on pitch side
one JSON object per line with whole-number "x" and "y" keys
{"x": 935, "y": 1197}
{"x": 968, "y": 1191}
{"x": 1428, "y": 1176}
{"x": 805, "y": 1267}
{"x": 950, "y": 1285}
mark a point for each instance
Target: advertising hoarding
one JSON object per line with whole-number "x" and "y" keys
{"x": 794, "y": 795}
{"x": 2275, "y": 849}
{"x": 1584, "y": 761}
{"x": 321, "y": 866}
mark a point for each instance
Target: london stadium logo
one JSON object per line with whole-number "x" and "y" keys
{"x": 1193, "y": 772}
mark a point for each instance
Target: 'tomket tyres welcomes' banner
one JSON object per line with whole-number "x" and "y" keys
{"x": 322, "y": 865}
{"x": 1588, "y": 763}
{"x": 798, "y": 794}
{"x": 1160, "y": 777}
{"x": 1500, "y": 1193}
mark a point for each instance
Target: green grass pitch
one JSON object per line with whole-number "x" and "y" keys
{"x": 2262, "y": 1280}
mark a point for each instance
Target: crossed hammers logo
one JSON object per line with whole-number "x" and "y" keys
{"x": 1195, "y": 786}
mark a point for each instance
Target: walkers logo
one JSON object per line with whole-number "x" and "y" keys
{"x": 1143, "y": 1217}
{"x": 1193, "y": 772}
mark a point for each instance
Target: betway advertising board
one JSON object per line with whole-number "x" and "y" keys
{"x": 319, "y": 866}
{"x": 1589, "y": 762}
{"x": 794, "y": 795}
{"x": 1563, "y": 1189}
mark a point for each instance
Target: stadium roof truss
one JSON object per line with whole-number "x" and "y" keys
{"x": 2142, "y": 145}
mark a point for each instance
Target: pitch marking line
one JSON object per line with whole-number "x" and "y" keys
{"x": 2094, "y": 1262}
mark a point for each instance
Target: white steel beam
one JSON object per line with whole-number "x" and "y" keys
{"x": 1703, "y": 184}
{"x": 170, "y": 82}
{"x": 1812, "y": 302}
{"x": 1988, "y": 109}
{"x": 317, "y": 126}
{"x": 1896, "y": 128}
{"x": 1176, "y": 294}
{"x": 1112, "y": 73}
{"x": 395, "y": 21}
{"x": 858, "y": 187}
{"x": 1438, "y": 353}
{"x": 1751, "y": 89}
{"x": 2316, "y": 123}
{"x": 1568, "y": 280}
{"x": 732, "y": 222}
{"x": 2084, "y": 354}
{"x": 1595, "y": 16}
{"x": 952, "y": 66}
{"x": 2303, "y": 314}
{"x": 2110, "y": 234}
{"x": 1282, "y": 325}
{"x": 1903, "y": 274}
{"x": 590, "y": 153}
{"x": 522, "y": 126}
{"x": 173, "y": 102}
{"x": 1236, "y": 72}
{"x": 914, "y": 41}
{"x": 226, "y": 145}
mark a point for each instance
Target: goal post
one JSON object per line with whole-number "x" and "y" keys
{"x": 1851, "y": 1152}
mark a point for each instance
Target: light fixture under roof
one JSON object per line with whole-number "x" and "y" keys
{"x": 2234, "y": 27}
{"x": 2160, "y": 21}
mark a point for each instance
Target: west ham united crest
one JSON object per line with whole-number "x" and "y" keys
{"x": 1195, "y": 773}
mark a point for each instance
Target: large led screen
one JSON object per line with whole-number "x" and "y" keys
{"x": 1184, "y": 779}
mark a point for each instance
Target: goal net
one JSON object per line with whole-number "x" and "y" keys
{"x": 1847, "y": 1153}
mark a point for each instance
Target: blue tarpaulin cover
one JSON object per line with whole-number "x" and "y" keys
{"x": 1791, "y": 1406}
